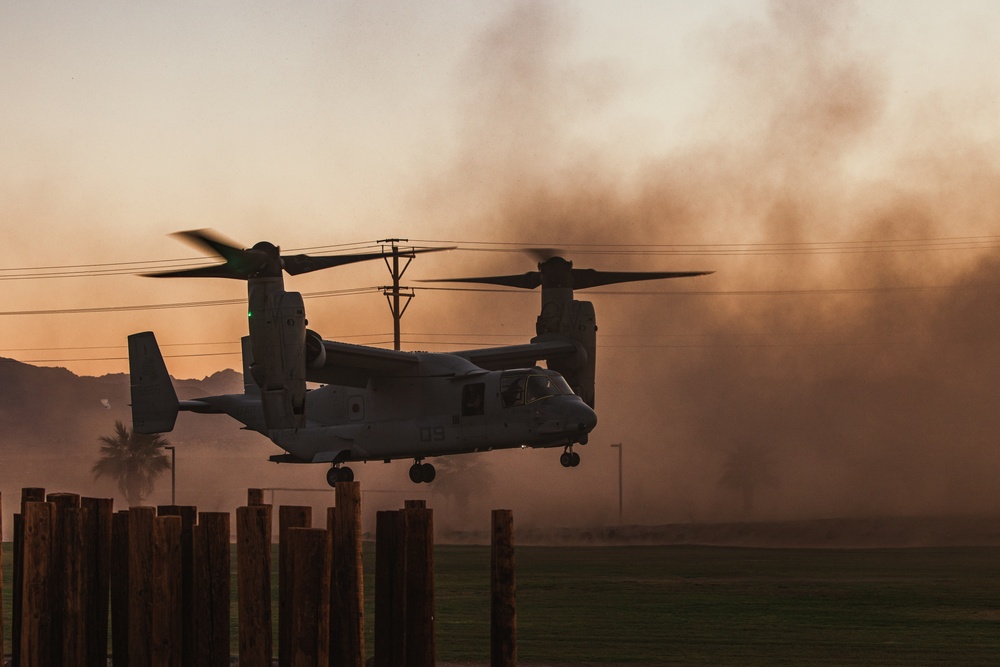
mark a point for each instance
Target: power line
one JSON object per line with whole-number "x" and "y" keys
{"x": 180, "y": 304}
{"x": 646, "y": 249}
{"x": 451, "y": 339}
{"x": 763, "y": 248}
{"x": 768, "y": 292}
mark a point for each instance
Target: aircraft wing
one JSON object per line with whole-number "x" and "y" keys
{"x": 353, "y": 365}
{"x": 521, "y": 356}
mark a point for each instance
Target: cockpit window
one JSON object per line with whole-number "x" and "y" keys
{"x": 539, "y": 387}
{"x": 560, "y": 382}
{"x": 521, "y": 386}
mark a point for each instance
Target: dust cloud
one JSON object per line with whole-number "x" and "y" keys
{"x": 827, "y": 369}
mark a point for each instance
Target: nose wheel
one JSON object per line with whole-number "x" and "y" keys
{"x": 339, "y": 474}
{"x": 569, "y": 458}
{"x": 422, "y": 473}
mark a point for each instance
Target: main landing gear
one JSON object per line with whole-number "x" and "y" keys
{"x": 569, "y": 458}
{"x": 422, "y": 472}
{"x": 339, "y": 474}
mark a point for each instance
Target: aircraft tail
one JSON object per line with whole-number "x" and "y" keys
{"x": 154, "y": 401}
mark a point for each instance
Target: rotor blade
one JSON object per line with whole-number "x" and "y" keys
{"x": 218, "y": 271}
{"x": 296, "y": 264}
{"x": 529, "y": 280}
{"x": 242, "y": 262}
{"x": 584, "y": 278}
{"x": 207, "y": 240}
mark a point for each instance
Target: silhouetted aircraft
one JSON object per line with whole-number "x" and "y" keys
{"x": 378, "y": 404}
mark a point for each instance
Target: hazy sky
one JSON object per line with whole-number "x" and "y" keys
{"x": 702, "y": 128}
{"x": 322, "y": 123}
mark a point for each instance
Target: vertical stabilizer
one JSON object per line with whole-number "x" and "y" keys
{"x": 154, "y": 401}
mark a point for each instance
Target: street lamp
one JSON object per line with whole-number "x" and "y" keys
{"x": 619, "y": 446}
{"x": 173, "y": 474}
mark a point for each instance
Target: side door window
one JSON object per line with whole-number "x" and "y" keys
{"x": 512, "y": 391}
{"x": 473, "y": 399}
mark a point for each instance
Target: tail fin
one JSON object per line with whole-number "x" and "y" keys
{"x": 154, "y": 401}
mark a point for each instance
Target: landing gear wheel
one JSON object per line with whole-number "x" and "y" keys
{"x": 422, "y": 473}
{"x": 339, "y": 474}
{"x": 569, "y": 458}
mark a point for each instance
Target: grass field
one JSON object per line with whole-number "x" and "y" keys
{"x": 719, "y": 606}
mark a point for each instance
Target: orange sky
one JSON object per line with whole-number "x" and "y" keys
{"x": 326, "y": 125}
{"x": 833, "y": 162}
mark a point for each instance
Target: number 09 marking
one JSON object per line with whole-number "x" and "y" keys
{"x": 428, "y": 434}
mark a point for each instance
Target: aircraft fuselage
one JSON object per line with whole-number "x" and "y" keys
{"x": 446, "y": 405}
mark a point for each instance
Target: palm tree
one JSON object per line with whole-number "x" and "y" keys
{"x": 134, "y": 459}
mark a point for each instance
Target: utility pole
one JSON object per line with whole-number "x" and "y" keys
{"x": 395, "y": 293}
{"x": 620, "y": 506}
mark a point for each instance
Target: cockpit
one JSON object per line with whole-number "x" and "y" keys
{"x": 518, "y": 387}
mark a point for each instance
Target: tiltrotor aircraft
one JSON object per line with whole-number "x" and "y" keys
{"x": 379, "y": 404}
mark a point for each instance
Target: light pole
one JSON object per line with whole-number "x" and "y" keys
{"x": 173, "y": 474}
{"x": 619, "y": 446}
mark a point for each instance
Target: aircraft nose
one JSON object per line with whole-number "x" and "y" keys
{"x": 572, "y": 418}
{"x": 583, "y": 417}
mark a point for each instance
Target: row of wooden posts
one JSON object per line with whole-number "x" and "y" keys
{"x": 164, "y": 574}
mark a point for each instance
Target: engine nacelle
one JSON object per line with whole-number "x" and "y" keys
{"x": 315, "y": 351}
{"x": 577, "y": 321}
{"x": 278, "y": 340}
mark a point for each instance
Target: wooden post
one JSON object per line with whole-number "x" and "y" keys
{"x": 390, "y": 589}
{"x": 503, "y": 607}
{"x": 140, "y": 600}
{"x": 253, "y": 574}
{"x": 255, "y": 497}
{"x": 167, "y": 638}
{"x": 28, "y": 495}
{"x": 119, "y": 588}
{"x": 97, "y": 574}
{"x": 3, "y": 646}
{"x": 420, "y": 647}
{"x": 308, "y": 594}
{"x": 65, "y": 579}
{"x": 36, "y": 626}
{"x": 347, "y": 591}
{"x": 188, "y": 515}
{"x": 72, "y": 598}
{"x": 211, "y": 590}
{"x": 289, "y": 516}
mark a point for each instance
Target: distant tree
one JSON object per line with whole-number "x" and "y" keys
{"x": 134, "y": 460}
{"x": 460, "y": 479}
{"x": 748, "y": 468}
